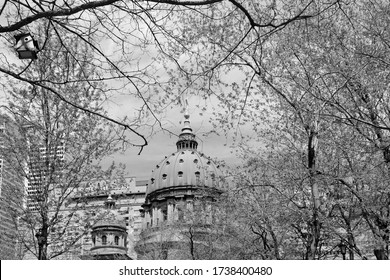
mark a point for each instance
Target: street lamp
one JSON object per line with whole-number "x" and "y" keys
{"x": 26, "y": 46}
{"x": 343, "y": 249}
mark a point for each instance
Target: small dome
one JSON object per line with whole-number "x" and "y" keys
{"x": 109, "y": 224}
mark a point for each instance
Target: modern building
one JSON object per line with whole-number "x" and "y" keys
{"x": 11, "y": 192}
{"x": 38, "y": 172}
{"x": 178, "y": 208}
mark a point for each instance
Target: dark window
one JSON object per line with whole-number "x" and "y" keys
{"x": 104, "y": 240}
{"x": 165, "y": 214}
{"x": 180, "y": 213}
{"x": 180, "y": 173}
{"x": 116, "y": 240}
{"x": 197, "y": 177}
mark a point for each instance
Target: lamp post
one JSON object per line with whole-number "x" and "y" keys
{"x": 26, "y": 46}
{"x": 343, "y": 249}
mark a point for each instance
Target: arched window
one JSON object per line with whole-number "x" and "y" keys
{"x": 164, "y": 212}
{"x": 197, "y": 177}
{"x": 164, "y": 176}
{"x": 93, "y": 240}
{"x": 213, "y": 179}
{"x": 116, "y": 240}
{"x": 180, "y": 174}
{"x": 104, "y": 240}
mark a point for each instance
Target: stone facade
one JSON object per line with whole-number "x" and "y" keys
{"x": 179, "y": 199}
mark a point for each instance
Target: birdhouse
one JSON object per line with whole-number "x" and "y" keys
{"x": 26, "y": 46}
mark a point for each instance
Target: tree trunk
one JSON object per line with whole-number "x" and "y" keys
{"x": 312, "y": 156}
{"x": 381, "y": 254}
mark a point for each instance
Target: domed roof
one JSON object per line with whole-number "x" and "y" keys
{"x": 186, "y": 167}
{"x": 111, "y": 219}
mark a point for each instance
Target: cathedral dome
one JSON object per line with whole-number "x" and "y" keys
{"x": 186, "y": 167}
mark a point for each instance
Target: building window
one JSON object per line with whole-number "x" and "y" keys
{"x": 164, "y": 176}
{"x": 93, "y": 240}
{"x": 104, "y": 240}
{"x": 213, "y": 179}
{"x": 197, "y": 177}
{"x": 116, "y": 240}
{"x": 180, "y": 213}
{"x": 165, "y": 213}
{"x": 180, "y": 174}
{"x": 181, "y": 160}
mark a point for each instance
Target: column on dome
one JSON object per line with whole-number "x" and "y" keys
{"x": 170, "y": 211}
{"x": 175, "y": 213}
{"x": 148, "y": 218}
{"x": 159, "y": 216}
{"x": 209, "y": 216}
{"x": 154, "y": 217}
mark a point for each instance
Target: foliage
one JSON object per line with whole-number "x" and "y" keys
{"x": 58, "y": 150}
{"x": 132, "y": 41}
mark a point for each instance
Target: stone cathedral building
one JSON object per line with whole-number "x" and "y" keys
{"x": 167, "y": 217}
{"x": 178, "y": 205}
